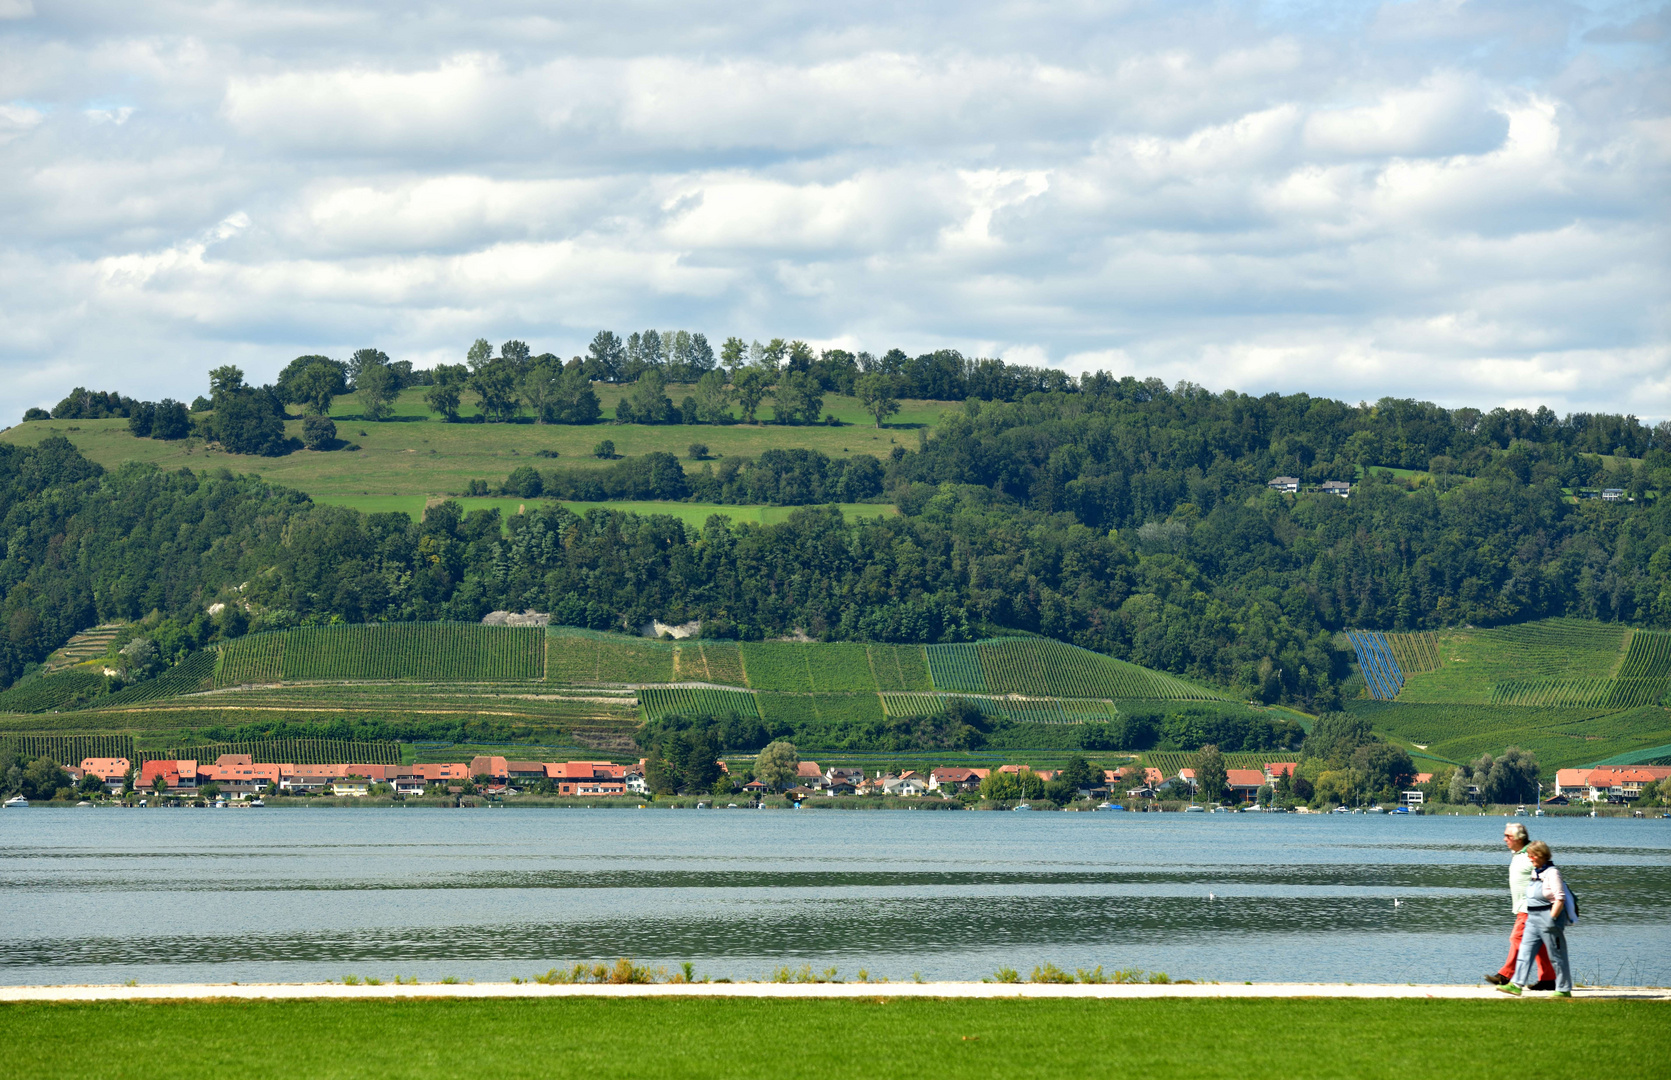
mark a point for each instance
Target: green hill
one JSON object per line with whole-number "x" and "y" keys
{"x": 1573, "y": 690}
{"x": 565, "y": 686}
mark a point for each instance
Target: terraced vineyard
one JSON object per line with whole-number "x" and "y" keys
{"x": 87, "y": 645}
{"x": 657, "y": 702}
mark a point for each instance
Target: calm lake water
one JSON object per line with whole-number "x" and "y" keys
{"x": 296, "y": 894}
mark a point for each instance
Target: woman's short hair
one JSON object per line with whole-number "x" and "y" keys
{"x": 1516, "y": 830}
{"x": 1538, "y": 852}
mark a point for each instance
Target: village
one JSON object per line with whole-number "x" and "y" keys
{"x": 237, "y": 778}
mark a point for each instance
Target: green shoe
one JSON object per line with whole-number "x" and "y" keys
{"x": 1509, "y": 988}
{"x": 1562, "y": 993}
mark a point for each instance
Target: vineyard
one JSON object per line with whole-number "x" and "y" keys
{"x": 68, "y": 749}
{"x": 956, "y": 669}
{"x": 1018, "y": 710}
{"x": 196, "y": 672}
{"x": 1648, "y": 657}
{"x": 427, "y": 652}
{"x": 583, "y": 657}
{"x": 53, "y": 691}
{"x": 1383, "y": 678}
{"x": 814, "y": 710}
{"x": 808, "y": 669}
{"x": 1551, "y": 662}
{"x": 1046, "y": 667}
{"x": 1415, "y": 653}
{"x": 1561, "y": 736}
{"x": 899, "y": 667}
{"x": 284, "y": 751}
{"x": 1621, "y": 693}
{"x": 657, "y": 702}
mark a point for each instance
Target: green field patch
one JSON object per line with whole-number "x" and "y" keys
{"x": 779, "y": 666}
{"x": 657, "y": 702}
{"x": 1042, "y": 666}
{"x": 1562, "y": 737}
{"x": 416, "y": 455}
{"x": 431, "y": 652}
{"x": 585, "y": 657}
{"x": 899, "y": 667}
{"x": 816, "y": 710}
{"x": 723, "y": 663}
{"x": 684, "y": 1037}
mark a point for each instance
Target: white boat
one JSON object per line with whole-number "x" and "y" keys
{"x": 17, "y": 802}
{"x": 1375, "y": 810}
{"x": 256, "y": 801}
{"x": 1193, "y": 809}
{"x": 1110, "y": 806}
{"x": 1220, "y": 810}
{"x": 1023, "y": 806}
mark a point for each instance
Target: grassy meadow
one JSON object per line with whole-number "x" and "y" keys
{"x": 874, "y": 1036}
{"x": 416, "y": 454}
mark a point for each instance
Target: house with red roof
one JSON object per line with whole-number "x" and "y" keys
{"x": 1608, "y": 782}
{"x": 496, "y": 769}
{"x": 587, "y": 778}
{"x": 1244, "y": 782}
{"x": 180, "y": 776}
{"x": 112, "y": 770}
{"x": 1276, "y": 770}
{"x": 955, "y": 779}
{"x": 239, "y": 776}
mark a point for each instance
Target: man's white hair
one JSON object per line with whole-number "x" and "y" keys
{"x": 1516, "y": 830}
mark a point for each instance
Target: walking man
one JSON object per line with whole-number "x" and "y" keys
{"x": 1520, "y": 875}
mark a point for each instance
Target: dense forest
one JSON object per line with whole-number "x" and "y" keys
{"x": 1124, "y": 516}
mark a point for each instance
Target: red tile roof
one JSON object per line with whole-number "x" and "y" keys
{"x": 1243, "y": 778}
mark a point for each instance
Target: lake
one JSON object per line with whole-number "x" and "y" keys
{"x": 104, "y": 895}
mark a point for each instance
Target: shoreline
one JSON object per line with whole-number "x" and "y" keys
{"x": 1107, "y": 991}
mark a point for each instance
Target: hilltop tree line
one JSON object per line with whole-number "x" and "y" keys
{"x": 1119, "y": 515}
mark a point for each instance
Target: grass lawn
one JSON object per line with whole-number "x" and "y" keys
{"x": 692, "y": 1037}
{"x": 692, "y": 514}
{"x": 416, "y": 454}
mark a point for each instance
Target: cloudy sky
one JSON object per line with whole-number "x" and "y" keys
{"x": 1462, "y": 201}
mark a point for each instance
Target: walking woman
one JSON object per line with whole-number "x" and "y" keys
{"x": 1546, "y": 918}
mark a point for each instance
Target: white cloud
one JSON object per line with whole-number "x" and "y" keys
{"x": 1463, "y": 202}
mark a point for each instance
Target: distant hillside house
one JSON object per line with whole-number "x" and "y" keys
{"x": 1284, "y": 483}
{"x": 1337, "y": 487}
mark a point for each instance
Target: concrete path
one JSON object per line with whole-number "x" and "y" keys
{"x": 796, "y": 990}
